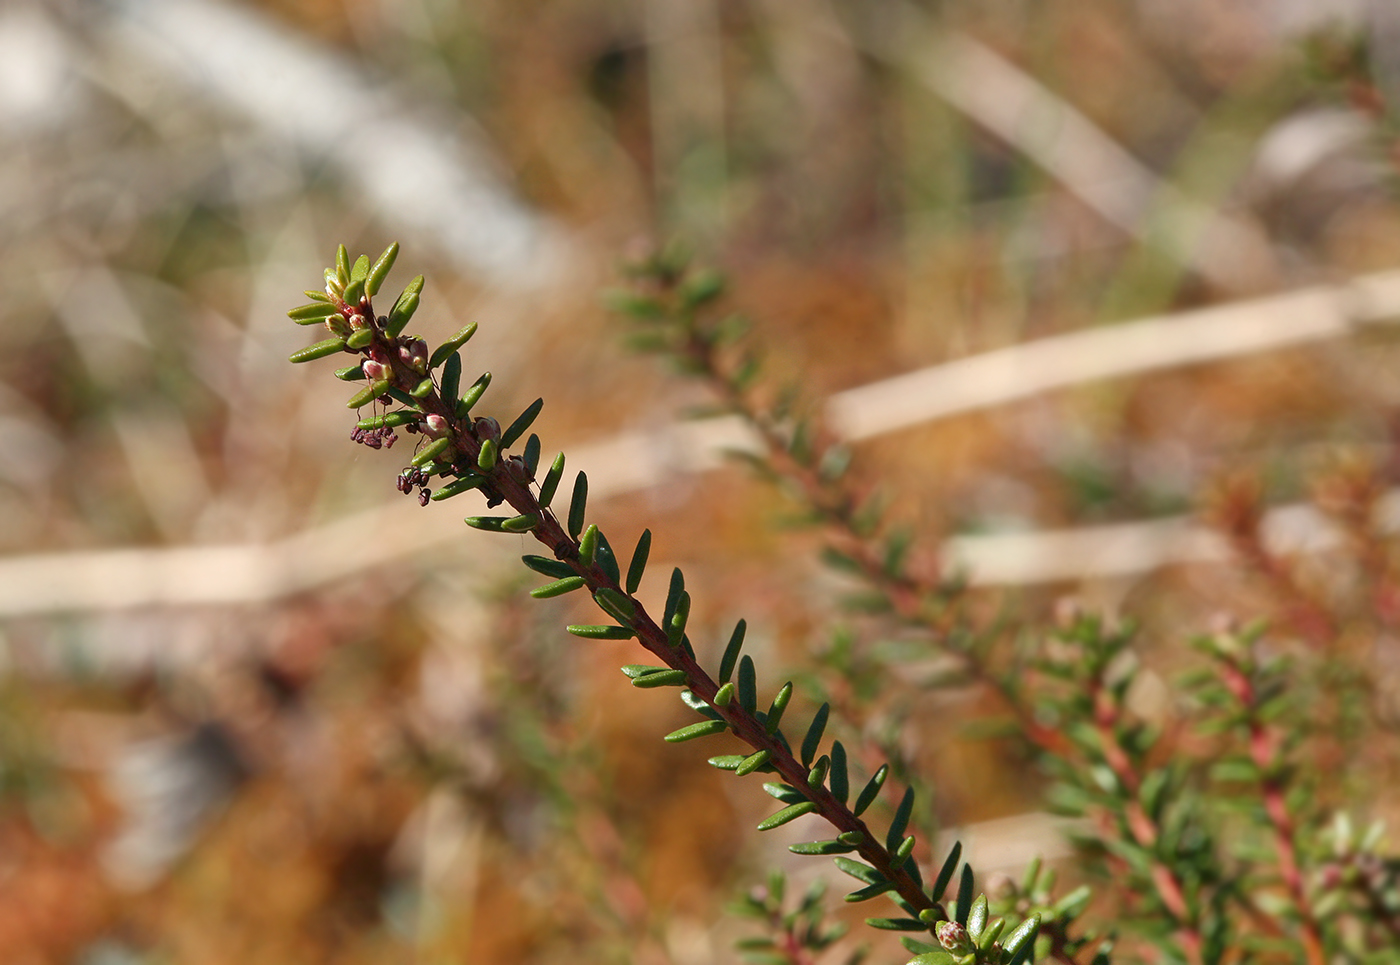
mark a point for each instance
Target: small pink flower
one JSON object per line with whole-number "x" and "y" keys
{"x": 434, "y": 426}
{"x": 415, "y": 353}
{"x": 953, "y": 937}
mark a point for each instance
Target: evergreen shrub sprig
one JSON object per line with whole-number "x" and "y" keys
{"x": 1214, "y": 856}
{"x": 1224, "y": 838}
{"x": 407, "y": 386}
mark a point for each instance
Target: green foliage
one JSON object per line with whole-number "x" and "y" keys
{"x": 1216, "y": 855}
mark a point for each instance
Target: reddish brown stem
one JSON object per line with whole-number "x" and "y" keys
{"x": 1140, "y": 824}
{"x": 1264, "y": 750}
{"x": 907, "y": 595}
{"x": 513, "y": 485}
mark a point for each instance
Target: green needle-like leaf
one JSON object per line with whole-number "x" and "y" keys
{"x": 487, "y": 524}
{"x": 594, "y": 631}
{"x": 731, "y": 651}
{"x": 451, "y": 377}
{"x": 859, "y": 870}
{"x": 543, "y": 564}
{"x": 901, "y": 820}
{"x": 977, "y": 917}
{"x": 458, "y": 486}
{"x": 673, "y": 596}
{"x": 522, "y": 422}
{"x": 588, "y": 545}
{"x": 311, "y": 314}
{"x": 897, "y": 924}
{"x": 840, "y": 777}
{"x": 450, "y": 346}
{"x": 551, "y": 481}
{"x": 474, "y": 392}
{"x": 748, "y": 684}
{"x": 635, "y": 670}
{"x": 790, "y": 813}
{"x": 871, "y": 790}
{"x": 1021, "y": 942}
{"x": 388, "y": 419}
{"x": 430, "y": 452}
{"x": 400, "y": 314}
{"x": 662, "y": 678}
{"x": 639, "y": 561}
{"x": 380, "y": 269}
{"x": 775, "y": 710}
{"x": 360, "y": 271}
{"x": 783, "y": 792}
{"x": 945, "y": 874}
{"x": 813, "y": 740}
{"x": 675, "y": 626}
{"x": 905, "y": 849}
{"x": 558, "y": 588}
{"x": 522, "y": 523}
{"x": 607, "y": 559}
{"x": 404, "y": 307}
{"x": 704, "y": 728}
{"x": 964, "y": 905}
{"x": 615, "y": 604}
{"x": 318, "y": 351}
{"x": 822, "y": 847}
{"x": 486, "y": 458}
{"x": 871, "y": 891}
{"x": 578, "y": 505}
{"x": 367, "y": 395}
{"x": 752, "y": 763}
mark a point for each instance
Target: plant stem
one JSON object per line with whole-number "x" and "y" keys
{"x": 512, "y": 483}
{"x": 1264, "y": 750}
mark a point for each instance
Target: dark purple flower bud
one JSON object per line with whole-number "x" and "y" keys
{"x": 487, "y": 428}
{"x": 423, "y": 496}
{"x": 518, "y": 469}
